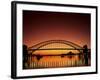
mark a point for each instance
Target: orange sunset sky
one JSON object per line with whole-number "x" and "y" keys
{"x": 39, "y": 26}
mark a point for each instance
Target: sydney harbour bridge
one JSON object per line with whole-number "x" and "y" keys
{"x": 55, "y": 53}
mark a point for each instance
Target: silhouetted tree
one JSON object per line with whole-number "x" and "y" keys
{"x": 70, "y": 54}
{"x": 85, "y": 51}
{"x": 39, "y": 57}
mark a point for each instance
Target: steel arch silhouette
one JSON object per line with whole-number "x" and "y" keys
{"x": 42, "y": 44}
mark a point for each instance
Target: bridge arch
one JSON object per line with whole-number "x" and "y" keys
{"x": 42, "y": 44}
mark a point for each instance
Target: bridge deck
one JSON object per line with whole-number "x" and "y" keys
{"x": 56, "y": 49}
